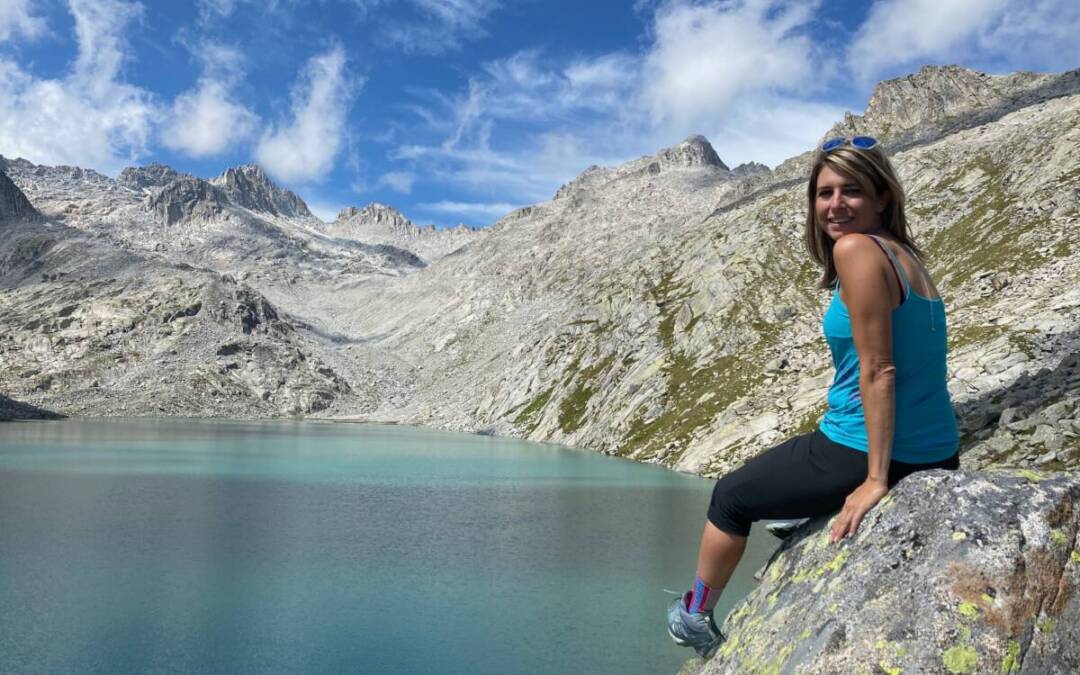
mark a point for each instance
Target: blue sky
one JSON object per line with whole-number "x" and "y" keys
{"x": 461, "y": 110}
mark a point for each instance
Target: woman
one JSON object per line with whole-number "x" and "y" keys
{"x": 889, "y": 409}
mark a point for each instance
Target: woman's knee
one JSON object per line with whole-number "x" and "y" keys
{"x": 727, "y": 511}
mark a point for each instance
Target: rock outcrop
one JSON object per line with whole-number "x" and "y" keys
{"x": 188, "y": 198}
{"x": 941, "y": 99}
{"x": 381, "y": 224}
{"x": 694, "y": 151}
{"x": 14, "y": 206}
{"x": 249, "y": 187}
{"x": 954, "y": 572}
{"x": 154, "y": 175}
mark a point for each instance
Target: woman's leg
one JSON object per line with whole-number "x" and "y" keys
{"x": 718, "y": 555}
{"x": 807, "y": 475}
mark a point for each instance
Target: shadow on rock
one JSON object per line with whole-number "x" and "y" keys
{"x": 10, "y": 409}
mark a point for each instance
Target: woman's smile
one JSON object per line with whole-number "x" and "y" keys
{"x": 843, "y": 207}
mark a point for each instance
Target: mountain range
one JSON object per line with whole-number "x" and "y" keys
{"x": 663, "y": 310}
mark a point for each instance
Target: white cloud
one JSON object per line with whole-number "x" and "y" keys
{"x": 305, "y": 147}
{"x": 705, "y": 56}
{"x": 324, "y": 211}
{"x": 206, "y": 121}
{"x": 1019, "y": 34}
{"x": 16, "y": 19}
{"x": 742, "y": 73}
{"x": 442, "y": 25}
{"x": 89, "y": 117}
{"x": 769, "y": 129}
{"x": 476, "y": 211}
{"x": 399, "y": 181}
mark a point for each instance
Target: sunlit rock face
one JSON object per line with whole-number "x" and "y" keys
{"x": 381, "y": 224}
{"x": 663, "y": 310}
{"x": 954, "y": 572}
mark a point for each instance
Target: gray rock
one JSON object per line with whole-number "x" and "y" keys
{"x": 188, "y": 198}
{"x": 14, "y": 206}
{"x": 1001, "y": 365}
{"x": 953, "y": 572}
{"x": 154, "y": 175}
{"x": 249, "y": 187}
{"x": 693, "y": 152}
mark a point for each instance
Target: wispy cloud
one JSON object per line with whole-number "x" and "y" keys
{"x": 399, "y": 181}
{"x": 16, "y": 20}
{"x": 206, "y": 121}
{"x": 735, "y": 71}
{"x": 476, "y": 211}
{"x": 910, "y": 32}
{"x": 90, "y": 117}
{"x": 304, "y": 147}
{"x": 438, "y": 25}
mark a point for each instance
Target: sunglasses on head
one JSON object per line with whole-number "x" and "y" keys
{"x": 860, "y": 142}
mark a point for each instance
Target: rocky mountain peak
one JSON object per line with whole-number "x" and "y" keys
{"x": 375, "y": 214}
{"x": 154, "y": 175}
{"x": 936, "y": 97}
{"x": 14, "y": 206}
{"x": 694, "y": 151}
{"x": 248, "y": 186}
{"x": 749, "y": 169}
{"x": 188, "y": 197}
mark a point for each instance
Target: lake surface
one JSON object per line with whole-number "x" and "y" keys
{"x": 175, "y": 546}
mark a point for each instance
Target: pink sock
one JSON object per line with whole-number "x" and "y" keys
{"x": 704, "y": 597}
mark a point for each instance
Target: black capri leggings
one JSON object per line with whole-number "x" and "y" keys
{"x": 803, "y": 477}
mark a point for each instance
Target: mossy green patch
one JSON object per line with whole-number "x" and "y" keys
{"x": 810, "y": 421}
{"x": 573, "y": 406}
{"x": 697, "y": 391}
{"x": 1058, "y": 537}
{"x": 987, "y": 599}
{"x": 985, "y": 239}
{"x": 980, "y": 334}
{"x": 775, "y": 572}
{"x": 1011, "y": 662}
{"x": 834, "y": 565}
{"x": 959, "y": 536}
{"x": 888, "y": 668}
{"x": 1075, "y": 557}
{"x": 960, "y": 659}
{"x": 1032, "y": 476}
{"x": 1047, "y": 625}
{"x": 529, "y": 417}
{"x": 968, "y": 609}
{"x": 805, "y": 635}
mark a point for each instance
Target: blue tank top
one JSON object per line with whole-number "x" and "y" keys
{"x": 925, "y": 428}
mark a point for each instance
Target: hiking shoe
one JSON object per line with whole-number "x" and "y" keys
{"x": 782, "y": 529}
{"x": 697, "y": 629}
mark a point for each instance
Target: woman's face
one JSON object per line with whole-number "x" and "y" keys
{"x": 842, "y": 207}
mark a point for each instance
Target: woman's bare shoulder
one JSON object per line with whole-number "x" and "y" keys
{"x": 855, "y": 248}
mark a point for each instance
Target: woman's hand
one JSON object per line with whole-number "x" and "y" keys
{"x": 857, "y": 504}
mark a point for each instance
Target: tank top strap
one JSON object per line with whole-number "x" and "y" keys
{"x": 898, "y": 269}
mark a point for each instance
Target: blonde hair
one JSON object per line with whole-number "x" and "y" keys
{"x": 875, "y": 174}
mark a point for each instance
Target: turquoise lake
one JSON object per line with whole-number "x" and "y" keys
{"x": 206, "y": 546}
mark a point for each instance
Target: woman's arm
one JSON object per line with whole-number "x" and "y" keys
{"x": 870, "y": 292}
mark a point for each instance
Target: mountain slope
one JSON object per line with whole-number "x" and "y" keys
{"x": 663, "y": 310}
